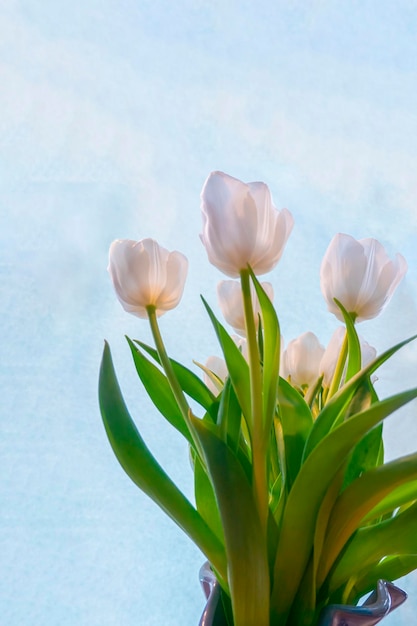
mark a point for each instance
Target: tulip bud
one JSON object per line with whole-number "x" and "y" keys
{"x": 230, "y": 297}
{"x": 360, "y": 275}
{"x": 145, "y": 274}
{"x": 301, "y": 360}
{"x": 241, "y": 226}
{"x": 331, "y": 355}
{"x": 218, "y": 366}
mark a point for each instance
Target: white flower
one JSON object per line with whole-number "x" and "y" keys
{"x": 218, "y": 366}
{"x": 145, "y": 274}
{"x": 230, "y": 298}
{"x": 241, "y": 226}
{"x": 301, "y": 360}
{"x": 360, "y": 275}
{"x": 331, "y": 354}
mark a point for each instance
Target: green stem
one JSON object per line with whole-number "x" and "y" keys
{"x": 340, "y": 366}
{"x": 260, "y": 486}
{"x": 172, "y": 379}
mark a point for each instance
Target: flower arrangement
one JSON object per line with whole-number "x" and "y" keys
{"x": 295, "y": 508}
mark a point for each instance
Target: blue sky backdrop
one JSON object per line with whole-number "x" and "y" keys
{"x": 112, "y": 114}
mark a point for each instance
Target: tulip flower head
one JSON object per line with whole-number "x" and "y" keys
{"x": 218, "y": 367}
{"x": 146, "y": 274}
{"x": 241, "y": 226}
{"x": 230, "y": 298}
{"x": 360, "y": 275}
{"x": 301, "y": 360}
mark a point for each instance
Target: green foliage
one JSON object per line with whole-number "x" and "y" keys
{"x": 293, "y": 510}
{"x": 190, "y": 383}
{"x": 248, "y": 573}
{"x": 139, "y": 464}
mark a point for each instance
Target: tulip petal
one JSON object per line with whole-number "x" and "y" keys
{"x": 176, "y": 273}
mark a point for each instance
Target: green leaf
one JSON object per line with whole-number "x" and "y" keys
{"x": 365, "y": 456}
{"x": 205, "y": 500}
{"x": 189, "y": 382}
{"x": 322, "y": 524}
{"x": 369, "y": 452}
{"x": 140, "y": 465}
{"x": 305, "y": 601}
{"x": 309, "y": 489}
{"x": 271, "y": 354}
{"x": 248, "y": 574}
{"x": 296, "y": 421}
{"x": 354, "y": 346}
{"x": 399, "y": 497}
{"x": 230, "y": 416}
{"x": 159, "y": 391}
{"x": 357, "y": 500}
{"x": 334, "y": 407}
{"x": 236, "y": 364}
{"x": 390, "y": 568}
{"x": 392, "y": 537}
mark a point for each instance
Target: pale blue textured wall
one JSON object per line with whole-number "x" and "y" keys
{"x": 111, "y": 116}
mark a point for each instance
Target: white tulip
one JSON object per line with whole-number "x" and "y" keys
{"x": 360, "y": 275}
{"x": 331, "y": 355}
{"x": 229, "y": 293}
{"x": 241, "y": 226}
{"x": 145, "y": 274}
{"x": 218, "y": 366}
{"x": 301, "y": 360}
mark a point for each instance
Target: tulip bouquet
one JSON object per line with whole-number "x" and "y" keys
{"x": 294, "y": 508}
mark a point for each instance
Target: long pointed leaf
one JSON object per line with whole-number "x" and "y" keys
{"x": 271, "y": 354}
{"x": 354, "y": 347}
{"x": 159, "y": 391}
{"x": 399, "y": 497}
{"x": 329, "y": 415}
{"x": 304, "y": 500}
{"x": 357, "y": 500}
{"x": 296, "y": 421}
{"x": 392, "y": 537}
{"x": 205, "y": 499}
{"x": 189, "y": 382}
{"x": 236, "y": 364}
{"x": 248, "y": 574}
{"x": 140, "y": 465}
{"x": 391, "y": 568}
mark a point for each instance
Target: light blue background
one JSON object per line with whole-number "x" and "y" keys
{"x": 112, "y": 114}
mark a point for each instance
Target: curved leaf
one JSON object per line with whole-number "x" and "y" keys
{"x": 392, "y": 537}
{"x": 399, "y": 497}
{"x": 354, "y": 346}
{"x": 357, "y": 500}
{"x": 139, "y": 464}
{"x": 189, "y": 382}
{"x": 159, "y": 391}
{"x": 271, "y": 346}
{"x": 236, "y": 364}
{"x": 332, "y": 410}
{"x": 390, "y": 568}
{"x": 248, "y": 573}
{"x": 296, "y": 422}
{"x": 304, "y": 501}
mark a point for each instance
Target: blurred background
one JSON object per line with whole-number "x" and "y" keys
{"x": 112, "y": 114}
